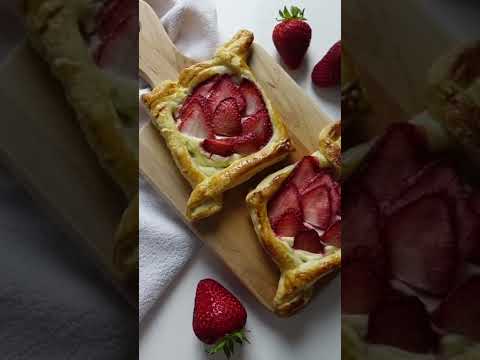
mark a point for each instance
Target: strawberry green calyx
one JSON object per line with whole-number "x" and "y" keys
{"x": 227, "y": 343}
{"x": 294, "y": 14}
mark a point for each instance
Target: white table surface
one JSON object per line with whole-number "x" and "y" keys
{"x": 314, "y": 334}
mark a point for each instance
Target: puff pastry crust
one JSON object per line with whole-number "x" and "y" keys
{"x": 101, "y": 104}
{"x": 211, "y": 177}
{"x": 454, "y": 96}
{"x": 299, "y": 271}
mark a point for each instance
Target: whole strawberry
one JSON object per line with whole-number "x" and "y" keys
{"x": 218, "y": 317}
{"x": 327, "y": 72}
{"x": 292, "y": 36}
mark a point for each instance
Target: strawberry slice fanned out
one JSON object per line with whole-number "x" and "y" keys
{"x": 194, "y": 120}
{"x": 305, "y": 170}
{"x": 441, "y": 178}
{"x": 222, "y": 147}
{"x": 286, "y": 198}
{"x": 289, "y": 223}
{"x": 317, "y": 208}
{"x": 204, "y": 88}
{"x": 402, "y": 322}
{"x": 226, "y": 119}
{"x": 333, "y": 235}
{"x": 259, "y": 125}
{"x": 361, "y": 228}
{"x": 253, "y": 97}
{"x": 397, "y": 156}
{"x": 114, "y": 52}
{"x": 459, "y": 313}
{"x": 308, "y": 240}
{"x": 324, "y": 178}
{"x": 362, "y": 288}
{"x": 421, "y": 245}
{"x": 224, "y": 88}
{"x": 245, "y": 144}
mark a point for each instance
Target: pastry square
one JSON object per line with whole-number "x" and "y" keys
{"x": 218, "y": 124}
{"x": 78, "y": 40}
{"x": 296, "y": 215}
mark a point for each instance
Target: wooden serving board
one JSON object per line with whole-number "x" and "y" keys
{"x": 394, "y": 43}
{"x": 230, "y": 233}
{"x": 43, "y": 145}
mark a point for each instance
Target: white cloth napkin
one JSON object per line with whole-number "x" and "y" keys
{"x": 165, "y": 243}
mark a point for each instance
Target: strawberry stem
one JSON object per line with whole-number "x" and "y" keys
{"x": 227, "y": 343}
{"x": 294, "y": 14}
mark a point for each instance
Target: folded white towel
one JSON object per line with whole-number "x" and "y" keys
{"x": 165, "y": 242}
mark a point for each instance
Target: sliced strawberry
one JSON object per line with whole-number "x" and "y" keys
{"x": 245, "y": 144}
{"x": 398, "y": 155}
{"x": 402, "y": 322}
{"x": 360, "y": 228}
{"x": 202, "y": 100}
{"x": 286, "y": 198}
{"x": 114, "y": 52}
{"x": 194, "y": 120}
{"x": 316, "y": 207}
{"x": 260, "y": 125}
{"x": 459, "y": 313}
{"x": 362, "y": 289}
{"x": 289, "y": 223}
{"x": 224, "y": 88}
{"x": 226, "y": 119}
{"x": 305, "y": 170}
{"x": 222, "y": 147}
{"x": 112, "y": 14}
{"x": 441, "y": 178}
{"x": 421, "y": 245}
{"x": 333, "y": 235}
{"x": 253, "y": 97}
{"x": 324, "y": 178}
{"x": 204, "y": 88}
{"x": 308, "y": 240}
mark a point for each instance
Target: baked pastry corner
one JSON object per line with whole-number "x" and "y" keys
{"x": 299, "y": 269}
{"x": 212, "y": 173}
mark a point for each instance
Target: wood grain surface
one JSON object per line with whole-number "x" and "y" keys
{"x": 394, "y": 44}
{"x": 229, "y": 233}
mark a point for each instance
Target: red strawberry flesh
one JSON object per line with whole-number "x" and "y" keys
{"x": 361, "y": 227}
{"x": 305, "y": 170}
{"x": 333, "y": 235}
{"x": 252, "y": 96}
{"x": 224, "y": 88}
{"x": 226, "y": 119}
{"x": 245, "y": 144}
{"x": 222, "y": 147}
{"x": 289, "y": 223}
{"x": 316, "y": 207}
{"x": 308, "y": 240}
{"x": 195, "y": 120}
{"x": 286, "y": 198}
{"x": 259, "y": 125}
{"x": 422, "y": 247}
{"x": 397, "y": 156}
